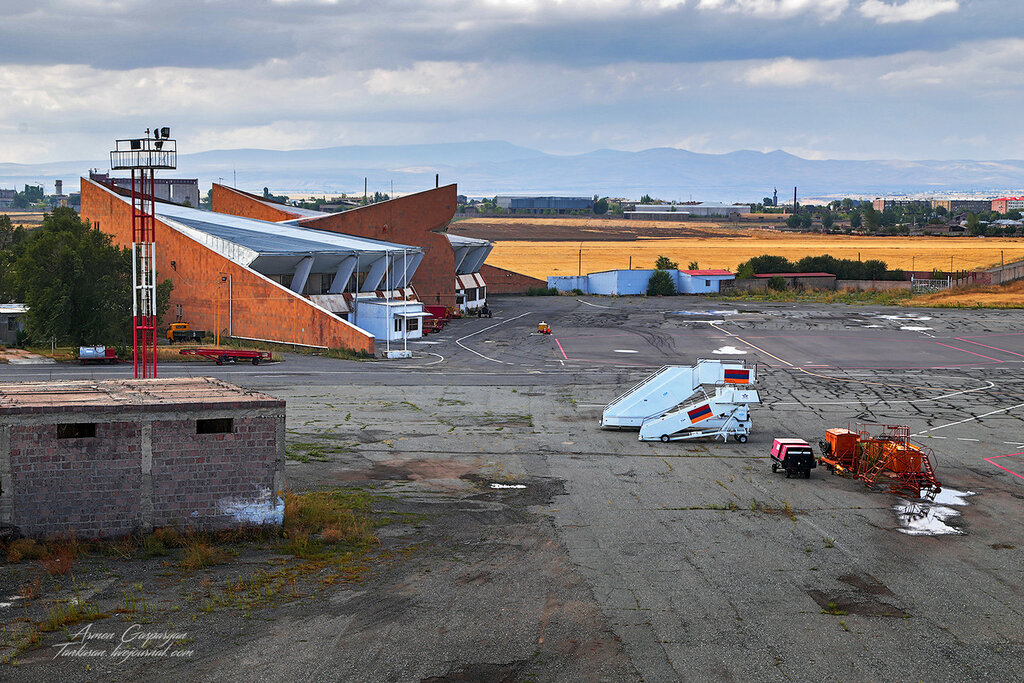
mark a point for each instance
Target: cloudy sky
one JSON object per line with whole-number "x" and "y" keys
{"x": 845, "y": 79}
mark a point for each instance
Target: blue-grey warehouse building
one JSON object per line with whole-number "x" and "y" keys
{"x": 633, "y": 282}
{"x": 524, "y": 204}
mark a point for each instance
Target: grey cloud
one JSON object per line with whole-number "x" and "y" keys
{"x": 356, "y": 35}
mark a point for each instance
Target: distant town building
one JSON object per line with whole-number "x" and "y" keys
{"x": 667, "y": 212}
{"x": 177, "y": 190}
{"x": 955, "y": 206}
{"x": 520, "y": 204}
{"x": 1001, "y": 205}
{"x": 7, "y": 197}
{"x": 880, "y": 204}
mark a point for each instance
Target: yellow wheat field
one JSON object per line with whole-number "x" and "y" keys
{"x": 541, "y": 259}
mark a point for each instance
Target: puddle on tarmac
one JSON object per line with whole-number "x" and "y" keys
{"x": 905, "y": 316}
{"x": 924, "y": 518}
{"x": 625, "y": 351}
{"x": 914, "y": 328}
{"x": 730, "y": 351}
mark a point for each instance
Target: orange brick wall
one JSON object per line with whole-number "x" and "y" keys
{"x": 501, "y": 281}
{"x": 237, "y": 203}
{"x": 411, "y": 220}
{"x": 260, "y": 309}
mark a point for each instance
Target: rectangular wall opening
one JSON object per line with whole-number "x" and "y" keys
{"x": 220, "y": 425}
{"x": 76, "y": 430}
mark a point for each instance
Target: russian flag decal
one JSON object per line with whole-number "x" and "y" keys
{"x": 698, "y": 414}
{"x": 737, "y": 376}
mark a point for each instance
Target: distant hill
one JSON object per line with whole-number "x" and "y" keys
{"x": 489, "y": 168}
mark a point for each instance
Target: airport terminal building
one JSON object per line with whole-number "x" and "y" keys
{"x": 263, "y": 281}
{"x": 449, "y": 273}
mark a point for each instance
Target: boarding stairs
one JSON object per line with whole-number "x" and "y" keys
{"x": 725, "y": 414}
{"x": 662, "y": 400}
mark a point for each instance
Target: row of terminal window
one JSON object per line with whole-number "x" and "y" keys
{"x": 87, "y": 430}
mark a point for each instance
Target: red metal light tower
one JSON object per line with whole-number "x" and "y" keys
{"x": 142, "y": 156}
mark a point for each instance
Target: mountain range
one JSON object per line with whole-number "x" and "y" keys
{"x": 490, "y": 168}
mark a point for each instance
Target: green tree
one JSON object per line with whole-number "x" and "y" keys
{"x": 664, "y": 263}
{"x": 660, "y": 284}
{"x": 828, "y": 219}
{"x": 777, "y": 283}
{"x": 974, "y": 225}
{"x": 871, "y": 218}
{"x": 601, "y": 206}
{"x": 76, "y": 283}
{"x": 767, "y": 201}
{"x": 855, "y": 218}
{"x": 767, "y": 263}
{"x": 693, "y": 266}
{"x": 647, "y": 199}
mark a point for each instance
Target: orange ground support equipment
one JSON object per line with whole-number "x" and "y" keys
{"x": 839, "y": 450}
{"x": 881, "y": 456}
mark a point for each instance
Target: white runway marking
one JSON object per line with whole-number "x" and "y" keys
{"x": 915, "y": 400}
{"x": 970, "y": 419}
{"x": 587, "y": 303}
{"x": 729, "y": 351}
{"x": 473, "y": 334}
{"x": 625, "y": 351}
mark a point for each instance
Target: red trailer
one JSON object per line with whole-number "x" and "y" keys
{"x": 228, "y": 355}
{"x": 438, "y": 318}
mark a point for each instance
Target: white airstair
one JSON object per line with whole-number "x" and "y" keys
{"x": 672, "y": 404}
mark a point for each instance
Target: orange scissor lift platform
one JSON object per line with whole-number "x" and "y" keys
{"x": 881, "y": 456}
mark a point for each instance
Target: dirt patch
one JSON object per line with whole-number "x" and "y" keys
{"x": 407, "y": 470}
{"x": 473, "y": 673}
{"x": 844, "y": 603}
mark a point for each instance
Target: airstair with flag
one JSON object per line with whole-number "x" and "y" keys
{"x": 672, "y": 404}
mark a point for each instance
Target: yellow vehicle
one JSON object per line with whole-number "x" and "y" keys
{"x": 182, "y": 331}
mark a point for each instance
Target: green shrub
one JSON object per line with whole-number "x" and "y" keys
{"x": 660, "y": 284}
{"x": 777, "y": 283}
{"x": 542, "y": 291}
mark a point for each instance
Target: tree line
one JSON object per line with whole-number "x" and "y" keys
{"x": 843, "y": 269}
{"x": 75, "y": 281}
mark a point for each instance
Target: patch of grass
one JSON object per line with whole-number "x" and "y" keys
{"x": 829, "y": 542}
{"x": 68, "y": 614}
{"x": 346, "y": 513}
{"x": 891, "y": 297}
{"x": 451, "y": 401}
{"x": 199, "y": 553}
{"x": 310, "y": 452}
{"x": 833, "y": 608}
{"x": 25, "y": 549}
{"x": 347, "y": 354}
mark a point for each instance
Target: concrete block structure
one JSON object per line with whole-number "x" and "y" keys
{"x": 103, "y": 459}
{"x": 260, "y": 280}
{"x": 418, "y": 219}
